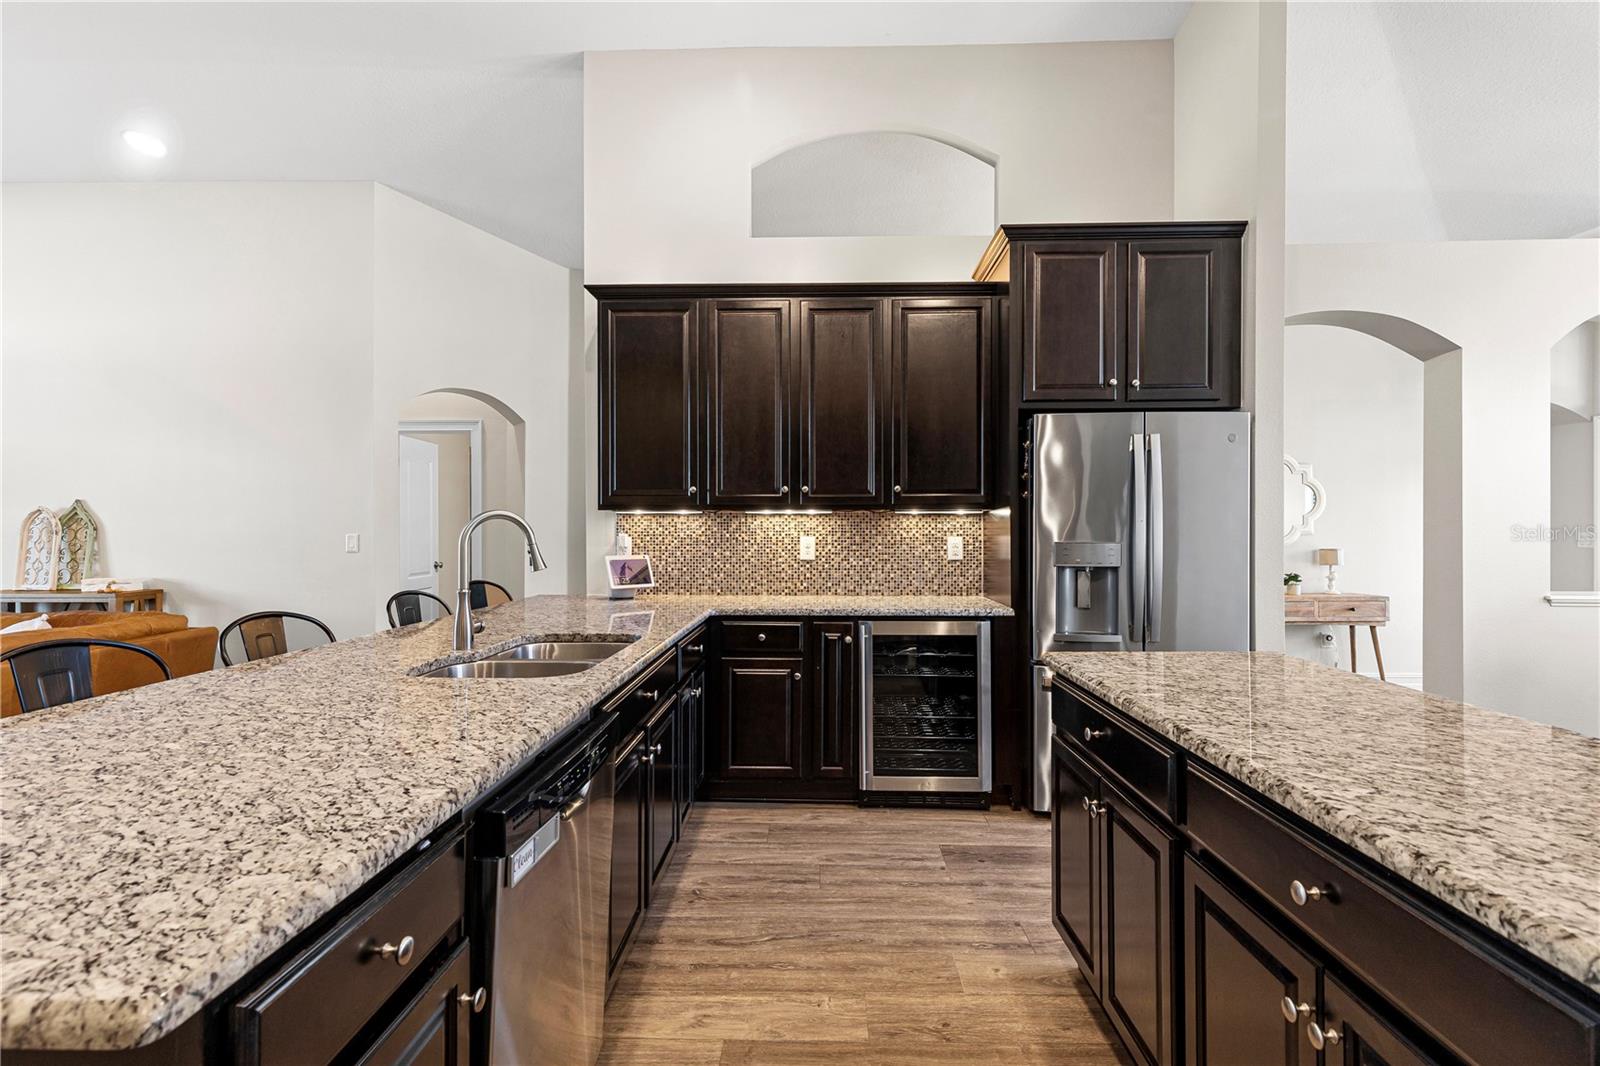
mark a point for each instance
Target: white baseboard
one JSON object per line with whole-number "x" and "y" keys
{"x": 1403, "y": 680}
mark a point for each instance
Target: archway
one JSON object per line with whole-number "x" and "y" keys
{"x": 461, "y": 451}
{"x": 1439, "y": 511}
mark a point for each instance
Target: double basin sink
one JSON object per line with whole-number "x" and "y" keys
{"x": 545, "y": 658}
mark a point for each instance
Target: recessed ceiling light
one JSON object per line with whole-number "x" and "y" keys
{"x": 147, "y": 144}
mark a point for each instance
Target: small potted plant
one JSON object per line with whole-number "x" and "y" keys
{"x": 1291, "y": 584}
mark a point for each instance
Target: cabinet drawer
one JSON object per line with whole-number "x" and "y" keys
{"x": 1142, "y": 763}
{"x": 691, "y": 652}
{"x": 1347, "y": 610}
{"x": 763, "y": 637}
{"x": 1455, "y": 985}
{"x": 311, "y": 1008}
{"x": 1299, "y": 609}
{"x": 635, "y": 702}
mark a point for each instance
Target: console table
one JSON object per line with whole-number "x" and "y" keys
{"x": 1341, "y": 609}
{"x": 20, "y": 600}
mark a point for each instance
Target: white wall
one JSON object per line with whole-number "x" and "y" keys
{"x": 1228, "y": 162}
{"x": 194, "y": 361}
{"x": 218, "y": 369}
{"x": 1353, "y": 409}
{"x": 1077, "y": 132}
{"x": 1506, "y": 303}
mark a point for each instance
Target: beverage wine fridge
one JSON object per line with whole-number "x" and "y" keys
{"x": 926, "y": 694}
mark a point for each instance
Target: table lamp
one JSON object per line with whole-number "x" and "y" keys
{"x": 1332, "y": 558}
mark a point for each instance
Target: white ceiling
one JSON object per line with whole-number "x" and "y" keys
{"x": 1443, "y": 121}
{"x": 474, "y": 108}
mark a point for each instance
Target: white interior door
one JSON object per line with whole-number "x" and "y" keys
{"x": 419, "y": 515}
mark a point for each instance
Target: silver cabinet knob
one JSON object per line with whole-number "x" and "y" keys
{"x": 1095, "y": 734}
{"x": 1094, "y": 807}
{"x": 475, "y": 1000}
{"x": 805, "y": 490}
{"x": 696, "y": 649}
{"x": 1134, "y": 383}
{"x": 1111, "y": 381}
{"x": 652, "y": 695}
{"x": 784, "y": 490}
{"x": 692, "y": 490}
{"x": 848, "y": 639}
{"x": 897, "y": 488}
{"x": 1321, "y": 1037}
{"x": 1303, "y": 895}
{"x": 797, "y": 675}
{"x": 401, "y": 953}
{"x": 761, "y": 637}
{"x": 1292, "y": 1010}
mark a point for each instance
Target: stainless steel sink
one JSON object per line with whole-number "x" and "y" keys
{"x": 544, "y": 658}
{"x": 512, "y": 668}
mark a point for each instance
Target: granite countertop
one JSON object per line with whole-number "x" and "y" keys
{"x": 161, "y": 842}
{"x": 1495, "y": 815}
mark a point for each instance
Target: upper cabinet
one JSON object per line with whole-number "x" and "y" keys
{"x": 940, "y": 366}
{"x": 1144, "y": 315}
{"x": 649, "y": 439}
{"x": 761, "y": 398}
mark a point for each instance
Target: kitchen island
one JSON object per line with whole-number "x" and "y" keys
{"x": 161, "y": 845}
{"x": 1401, "y": 874}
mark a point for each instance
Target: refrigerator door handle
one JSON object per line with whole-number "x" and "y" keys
{"x": 1157, "y": 535}
{"x": 1139, "y": 537}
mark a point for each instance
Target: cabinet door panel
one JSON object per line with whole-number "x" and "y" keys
{"x": 1136, "y": 922}
{"x": 1183, "y": 321}
{"x": 747, "y": 401}
{"x": 836, "y": 703}
{"x": 1240, "y": 970}
{"x": 1364, "y": 1037}
{"x": 1075, "y": 855}
{"x": 842, "y": 409}
{"x": 1072, "y": 341}
{"x": 432, "y": 1029}
{"x": 649, "y": 440}
{"x": 760, "y": 720}
{"x": 662, "y": 794}
{"x": 628, "y": 835}
{"x": 940, "y": 360}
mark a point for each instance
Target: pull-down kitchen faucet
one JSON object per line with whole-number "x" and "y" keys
{"x": 466, "y": 627}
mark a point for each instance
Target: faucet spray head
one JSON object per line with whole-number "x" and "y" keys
{"x": 535, "y": 559}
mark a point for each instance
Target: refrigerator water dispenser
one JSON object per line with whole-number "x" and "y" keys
{"x": 1088, "y": 586}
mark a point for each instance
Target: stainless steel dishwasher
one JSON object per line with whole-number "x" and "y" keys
{"x": 543, "y": 870}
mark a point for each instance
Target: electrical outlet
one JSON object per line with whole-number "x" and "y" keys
{"x": 808, "y": 546}
{"x": 352, "y": 543}
{"x": 954, "y": 548}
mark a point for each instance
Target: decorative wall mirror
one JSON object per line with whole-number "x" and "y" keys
{"x": 78, "y": 536}
{"x": 39, "y": 552}
{"x": 1304, "y": 499}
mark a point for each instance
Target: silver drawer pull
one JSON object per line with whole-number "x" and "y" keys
{"x": 1293, "y": 1011}
{"x": 1095, "y": 734}
{"x": 1303, "y": 895}
{"x": 1095, "y": 808}
{"x": 695, "y": 649}
{"x": 1321, "y": 1037}
{"x": 401, "y": 953}
{"x": 761, "y": 636}
{"x": 475, "y": 1000}
{"x": 652, "y": 695}
{"x": 849, "y": 639}
{"x": 797, "y": 675}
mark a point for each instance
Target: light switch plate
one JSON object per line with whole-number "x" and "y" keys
{"x": 808, "y": 546}
{"x": 954, "y": 548}
{"x": 352, "y": 543}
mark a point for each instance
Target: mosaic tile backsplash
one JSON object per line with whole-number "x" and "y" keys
{"x": 867, "y": 553}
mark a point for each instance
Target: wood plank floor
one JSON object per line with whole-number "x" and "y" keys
{"x": 794, "y": 935}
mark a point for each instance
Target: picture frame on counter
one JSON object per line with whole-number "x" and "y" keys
{"x": 627, "y": 574}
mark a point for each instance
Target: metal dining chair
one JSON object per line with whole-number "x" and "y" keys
{"x": 54, "y": 672}
{"x": 487, "y": 593}
{"x": 261, "y": 635}
{"x": 409, "y": 606}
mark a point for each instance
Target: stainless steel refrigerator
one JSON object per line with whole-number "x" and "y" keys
{"x": 1141, "y": 540}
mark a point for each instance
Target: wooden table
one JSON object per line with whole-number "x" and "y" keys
{"x": 20, "y": 600}
{"x": 1341, "y": 609}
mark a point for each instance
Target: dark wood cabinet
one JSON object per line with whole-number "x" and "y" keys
{"x": 748, "y": 371}
{"x": 1248, "y": 992}
{"x": 1184, "y": 321}
{"x": 1072, "y": 336}
{"x": 691, "y": 746}
{"x": 1355, "y": 1034}
{"x": 661, "y": 760}
{"x": 843, "y": 410}
{"x": 836, "y": 707}
{"x": 649, "y": 439}
{"x": 940, "y": 361}
{"x": 432, "y": 1029}
{"x": 1075, "y": 859}
{"x": 760, "y": 719}
{"x": 1138, "y": 858}
{"x": 629, "y": 835}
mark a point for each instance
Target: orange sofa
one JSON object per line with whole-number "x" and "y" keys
{"x": 185, "y": 649}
